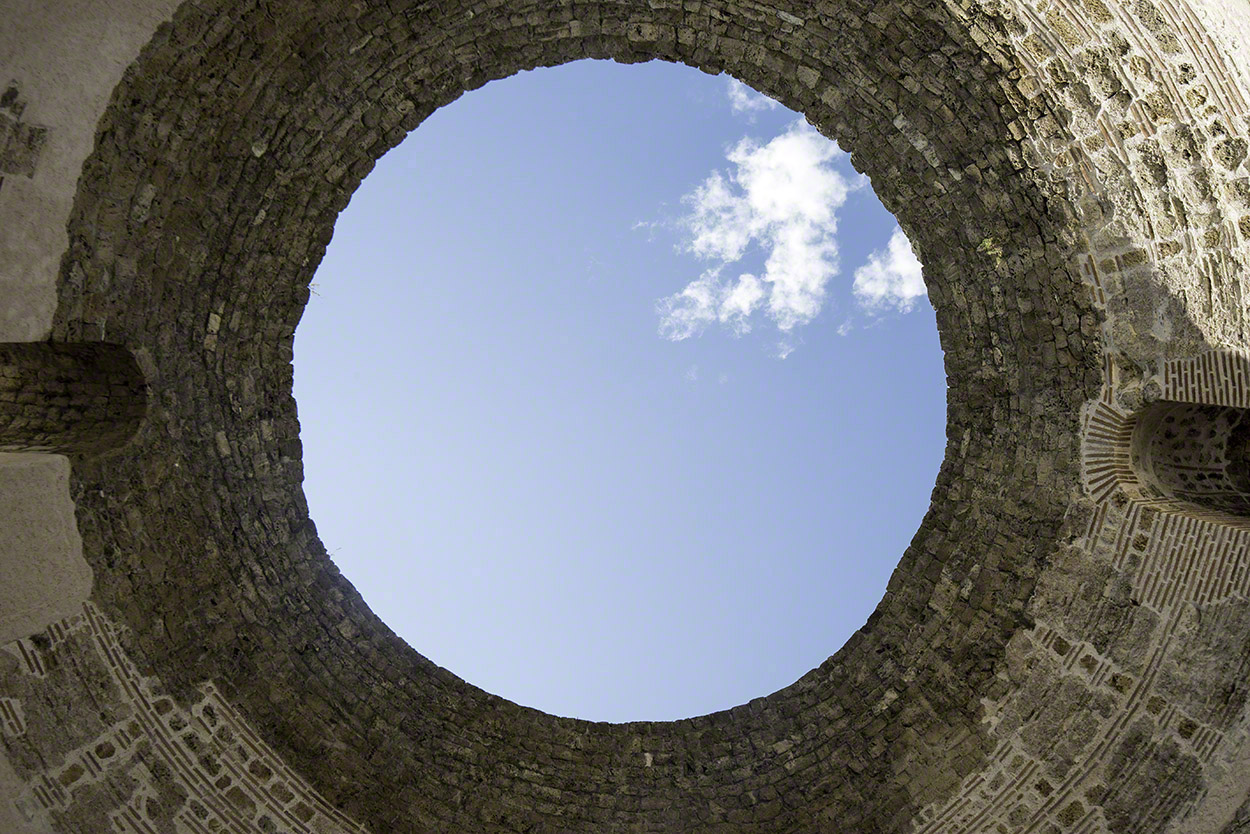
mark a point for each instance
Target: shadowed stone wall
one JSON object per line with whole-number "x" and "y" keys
{"x": 1062, "y": 647}
{"x": 74, "y": 399}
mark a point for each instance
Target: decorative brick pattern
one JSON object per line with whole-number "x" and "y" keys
{"x": 12, "y": 723}
{"x": 224, "y": 777}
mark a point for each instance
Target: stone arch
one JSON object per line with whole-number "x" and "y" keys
{"x": 1195, "y": 454}
{"x": 1022, "y": 150}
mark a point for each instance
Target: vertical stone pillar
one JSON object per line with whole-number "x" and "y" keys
{"x": 68, "y": 398}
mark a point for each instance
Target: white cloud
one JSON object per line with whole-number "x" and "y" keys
{"x": 782, "y": 196}
{"x": 709, "y": 299}
{"x": 891, "y": 278}
{"x": 742, "y": 99}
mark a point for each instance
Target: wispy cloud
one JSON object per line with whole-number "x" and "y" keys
{"x": 744, "y": 100}
{"x": 782, "y": 196}
{"x": 891, "y": 278}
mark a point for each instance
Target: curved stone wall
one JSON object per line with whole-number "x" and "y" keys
{"x": 74, "y": 399}
{"x": 1061, "y": 648}
{"x": 1198, "y": 454}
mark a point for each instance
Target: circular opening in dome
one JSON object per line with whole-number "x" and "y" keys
{"x": 619, "y": 393}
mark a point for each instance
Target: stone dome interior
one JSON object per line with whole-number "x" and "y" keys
{"x": 1061, "y": 648}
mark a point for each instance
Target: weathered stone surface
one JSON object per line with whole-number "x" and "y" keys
{"x": 1061, "y": 648}
{"x": 43, "y": 576}
{"x": 20, "y": 143}
{"x": 72, "y": 399}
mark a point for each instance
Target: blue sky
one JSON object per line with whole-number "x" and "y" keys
{"x": 618, "y": 391}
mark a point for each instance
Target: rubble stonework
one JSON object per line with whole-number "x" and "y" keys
{"x": 76, "y": 399}
{"x": 1062, "y": 648}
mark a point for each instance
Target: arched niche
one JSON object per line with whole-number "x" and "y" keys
{"x": 1196, "y": 454}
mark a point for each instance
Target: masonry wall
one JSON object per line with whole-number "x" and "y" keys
{"x": 1061, "y": 648}
{"x": 68, "y": 398}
